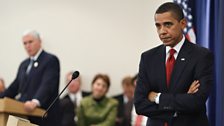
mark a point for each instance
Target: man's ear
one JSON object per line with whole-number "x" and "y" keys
{"x": 183, "y": 23}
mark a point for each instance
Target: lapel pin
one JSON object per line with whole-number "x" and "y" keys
{"x": 35, "y": 64}
{"x": 182, "y": 59}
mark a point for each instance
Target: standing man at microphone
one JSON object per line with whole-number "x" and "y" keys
{"x": 174, "y": 78}
{"x": 37, "y": 80}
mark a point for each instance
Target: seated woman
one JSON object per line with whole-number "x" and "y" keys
{"x": 97, "y": 109}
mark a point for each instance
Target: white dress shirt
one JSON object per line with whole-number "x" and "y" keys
{"x": 177, "y": 49}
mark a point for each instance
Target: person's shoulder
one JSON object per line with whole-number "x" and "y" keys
{"x": 48, "y": 58}
{"x": 65, "y": 97}
{"x": 154, "y": 50}
{"x": 65, "y": 101}
{"x": 199, "y": 49}
{"x": 25, "y": 61}
{"x": 85, "y": 93}
{"x": 49, "y": 55}
{"x": 86, "y": 100}
{"x": 119, "y": 96}
{"x": 112, "y": 101}
{"x": 202, "y": 49}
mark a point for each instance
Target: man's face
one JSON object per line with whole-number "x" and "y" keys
{"x": 31, "y": 44}
{"x": 74, "y": 86}
{"x": 169, "y": 28}
{"x": 128, "y": 90}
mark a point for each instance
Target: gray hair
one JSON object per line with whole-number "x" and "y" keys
{"x": 33, "y": 33}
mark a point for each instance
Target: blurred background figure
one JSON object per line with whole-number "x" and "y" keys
{"x": 98, "y": 109}
{"x": 137, "y": 120}
{"x": 125, "y": 102}
{"x": 2, "y": 85}
{"x": 70, "y": 102}
{"x": 37, "y": 80}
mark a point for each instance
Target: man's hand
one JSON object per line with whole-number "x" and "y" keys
{"x": 152, "y": 95}
{"x": 29, "y": 106}
{"x": 194, "y": 87}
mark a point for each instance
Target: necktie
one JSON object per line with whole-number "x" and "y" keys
{"x": 29, "y": 66}
{"x": 169, "y": 66}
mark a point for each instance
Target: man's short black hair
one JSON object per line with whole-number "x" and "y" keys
{"x": 171, "y": 7}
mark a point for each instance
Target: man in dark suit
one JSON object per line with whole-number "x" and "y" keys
{"x": 71, "y": 101}
{"x": 125, "y": 101}
{"x": 174, "y": 78}
{"x": 37, "y": 80}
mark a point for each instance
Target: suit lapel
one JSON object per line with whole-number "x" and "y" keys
{"x": 182, "y": 60}
{"x": 24, "y": 77}
{"x": 161, "y": 59}
{"x": 33, "y": 70}
{"x": 36, "y": 64}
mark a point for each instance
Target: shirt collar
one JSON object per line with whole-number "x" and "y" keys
{"x": 176, "y": 47}
{"x": 72, "y": 97}
{"x": 125, "y": 99}
{"x": 37, "y": 54}
{"x": 101, "y": 103}
{"x": 75, "y": 96}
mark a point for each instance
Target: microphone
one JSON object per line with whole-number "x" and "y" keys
{"x": 74, "y": 76}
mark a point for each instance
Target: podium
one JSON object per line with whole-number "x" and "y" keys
{"x": 17, "y": 121}
{"x": 10, "y": 106}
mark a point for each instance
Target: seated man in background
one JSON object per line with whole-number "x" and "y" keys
{"x": 37, "y": 81}
{"x": 2, "y": 85}
{"x": 125, "y": 102}
{"x": 71, "y": 101}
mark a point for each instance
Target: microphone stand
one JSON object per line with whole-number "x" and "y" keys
{"x": 45, "y": 114}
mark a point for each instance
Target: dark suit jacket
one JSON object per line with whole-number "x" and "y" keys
{"x": 124, "y": 120}
{"x": 42, "y": 83}
{"x": 175, "y": 105}
{"x": 68, "y": 110}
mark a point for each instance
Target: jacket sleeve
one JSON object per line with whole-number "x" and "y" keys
{"x": 49, "y": 82}
{"x": 142, "y": 105}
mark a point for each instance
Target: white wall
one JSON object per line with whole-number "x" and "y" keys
{"x": 91, "y": 36}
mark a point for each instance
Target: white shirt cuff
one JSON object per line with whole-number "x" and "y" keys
{"x": 157, "y": 98}
{"x": 36, "y": 101}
